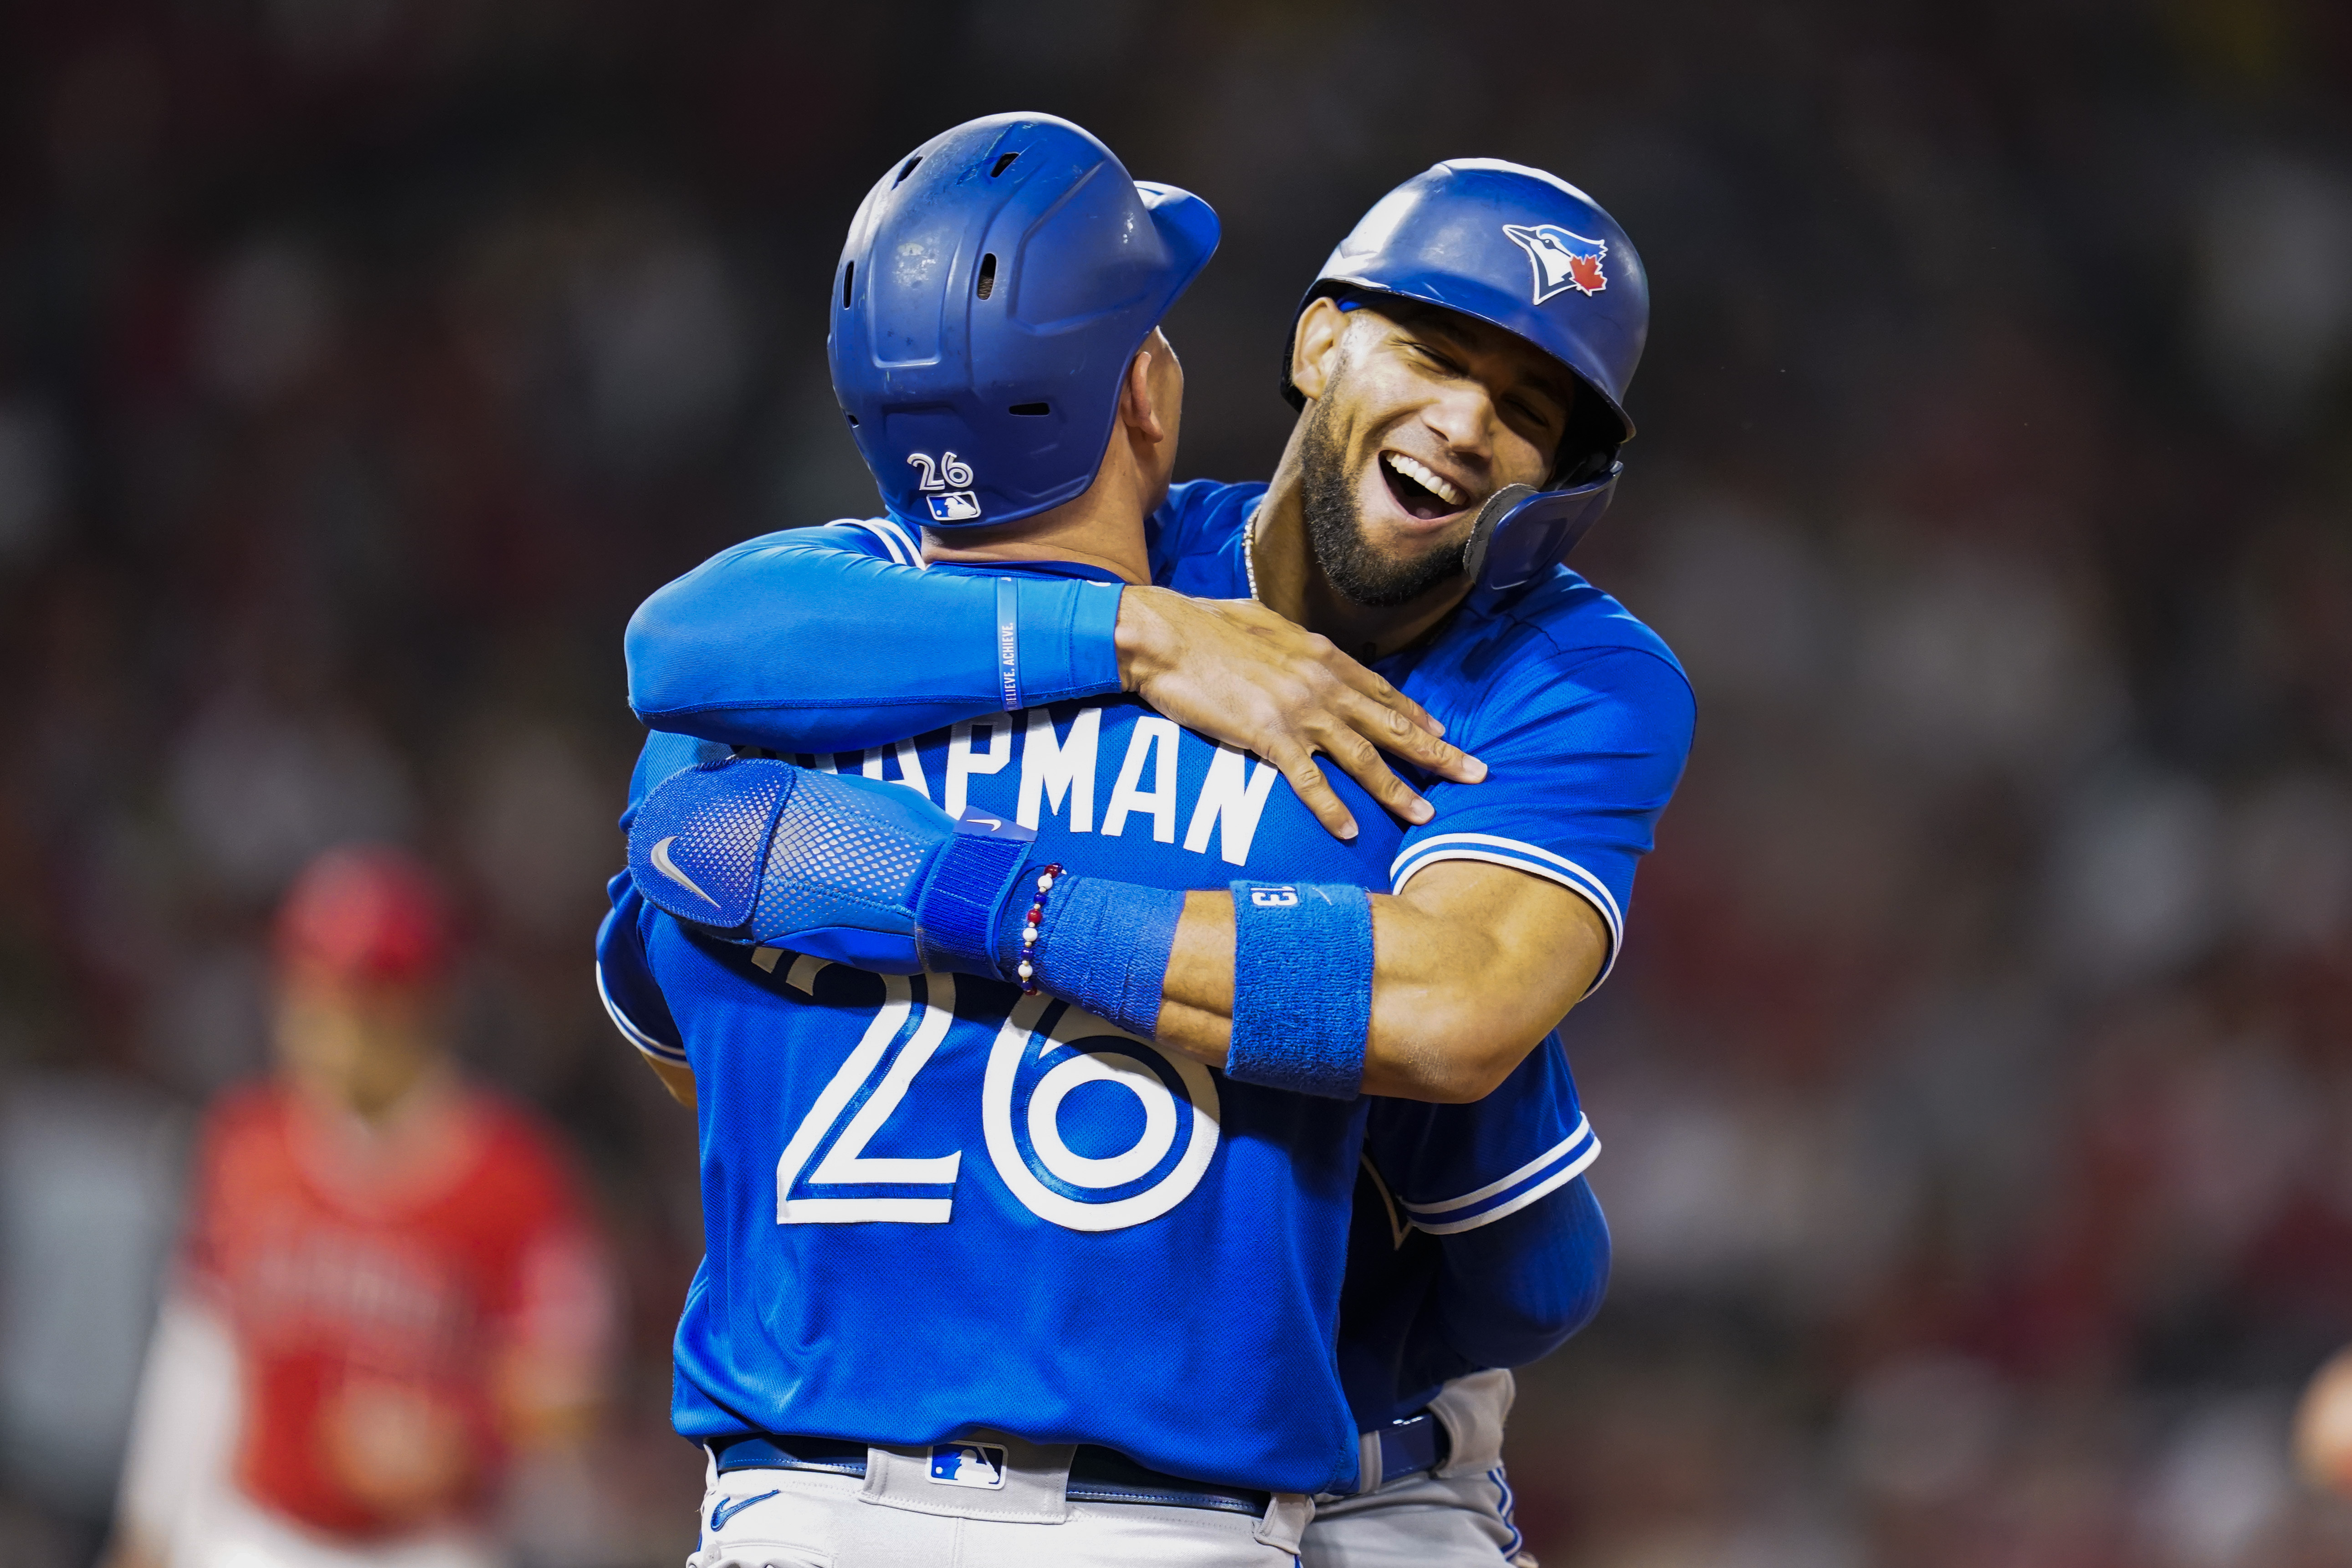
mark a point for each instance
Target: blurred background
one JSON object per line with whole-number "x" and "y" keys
{"x": 1976, "y": 1087}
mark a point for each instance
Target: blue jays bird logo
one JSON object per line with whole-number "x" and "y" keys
{"x": 1563, "y": 261}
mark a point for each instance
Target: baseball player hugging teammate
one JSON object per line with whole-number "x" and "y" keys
{"x": 1123, "y": 1141}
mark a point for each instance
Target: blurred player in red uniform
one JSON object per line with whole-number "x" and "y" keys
{"x": 391, "y": 1288}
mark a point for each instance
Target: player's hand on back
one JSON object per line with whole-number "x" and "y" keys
{"x": 1237, "y": 672}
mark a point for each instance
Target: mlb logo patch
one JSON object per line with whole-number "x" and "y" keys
{"x": 968, "y": 1464}
{"x": 956, "y": 506}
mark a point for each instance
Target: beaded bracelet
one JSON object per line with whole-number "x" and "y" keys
{"x": 1029, "y": 930}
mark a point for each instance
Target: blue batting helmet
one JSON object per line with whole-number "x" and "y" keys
{"x": 1533, "y": 255}
{"x": 995, "y": 285}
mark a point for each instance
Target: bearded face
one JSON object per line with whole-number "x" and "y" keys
{"x": 1362, "y": 571}
{"x": 1422, "y": 415}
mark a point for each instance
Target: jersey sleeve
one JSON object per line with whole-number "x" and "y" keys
{"x": 1511, "y": 1292}
{"x": 1453, "y": 1168}
{"x": 1583, "y": 749}
{"x": 826, "y": 639}
{"x": 624, "y": 981}
{"x": 1523, "y": 1257}
{"x": 183, "y": 1426}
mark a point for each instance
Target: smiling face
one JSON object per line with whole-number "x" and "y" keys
{"x": 1418, "y": 415}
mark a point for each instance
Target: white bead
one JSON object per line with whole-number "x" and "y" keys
{"x": 1044, "y": 883}
{"x": 1028, "y": 934}
{"x": 1026, "y": 972}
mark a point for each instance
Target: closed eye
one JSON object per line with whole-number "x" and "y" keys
{"x": 1443, "y": 364}
{"x": 1541, "y": 417}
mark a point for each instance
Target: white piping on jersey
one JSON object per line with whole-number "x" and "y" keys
{"x": 1598, "y": 889}
{"x": 903, "y": 550}
{"x": 1566, "y": 1173}
{"x": 1398, "y": 1226}
{"x": 1583, "y": 1131}
{"x": 629, "y": 1030}
{"x": 1520, "y": 856}
{"x": 1540, "y": 1191}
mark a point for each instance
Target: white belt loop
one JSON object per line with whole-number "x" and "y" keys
{"x": 1472, "y": 1409}
{"x": 1286, "y": 1522}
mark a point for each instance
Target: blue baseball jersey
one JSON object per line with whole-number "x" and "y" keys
{"x": 1582, "y": 713}
{"x": 934, "y": 1206}
{"x": 1583, "y": 717}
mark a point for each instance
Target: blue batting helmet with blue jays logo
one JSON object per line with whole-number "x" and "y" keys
{"x": 994, "y": 287}
{"x": 1530, "y": 253}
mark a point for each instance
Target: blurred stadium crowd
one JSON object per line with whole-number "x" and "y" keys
{"x": 1976, "y": 1087}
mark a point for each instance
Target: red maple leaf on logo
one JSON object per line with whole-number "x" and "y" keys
{"x": 1585, "y": 272}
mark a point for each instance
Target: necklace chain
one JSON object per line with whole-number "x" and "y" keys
{"x": 1249, "y": 548}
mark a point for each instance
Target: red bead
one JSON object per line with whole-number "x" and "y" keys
{"x": 1035, "y": 912}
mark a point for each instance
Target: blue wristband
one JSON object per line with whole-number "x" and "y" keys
{"x": 1104, "y": 946}
{"x": 1302, "y": 986}
{"x": 964, "y": 893}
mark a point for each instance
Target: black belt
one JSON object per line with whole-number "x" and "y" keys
{"x": 1097, "y": 1474}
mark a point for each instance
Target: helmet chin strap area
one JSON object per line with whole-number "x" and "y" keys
{"x": 1521, "y": 530}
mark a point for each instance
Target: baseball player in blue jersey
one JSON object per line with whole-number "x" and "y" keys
{"x": 1582, "y": 710}
{"x": 1410, "y": 1337}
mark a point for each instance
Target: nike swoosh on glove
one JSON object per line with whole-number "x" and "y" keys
{"x": 765, "y": 852}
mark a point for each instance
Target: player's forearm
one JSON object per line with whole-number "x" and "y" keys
{"x": 1452, "y": 1014}
{"x": 797, "y": 648}
{"x": 1433, "y": 996}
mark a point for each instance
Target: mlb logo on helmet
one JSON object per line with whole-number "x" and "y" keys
{"x": 1562, "y": 260}
{"x": 968, "y": 1464}
{"x": 956, "y": 506}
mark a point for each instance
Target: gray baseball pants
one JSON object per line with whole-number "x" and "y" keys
{"x": 1459, "y": 1517}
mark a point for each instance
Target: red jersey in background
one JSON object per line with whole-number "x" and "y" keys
{"x": 404, "y": 1303}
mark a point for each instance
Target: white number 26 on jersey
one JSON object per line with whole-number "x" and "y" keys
{"x": 1031, "y": 1077}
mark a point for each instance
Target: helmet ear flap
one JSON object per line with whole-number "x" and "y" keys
{"x": 1522, "y": 531}
{"x": 1582, "y": 461}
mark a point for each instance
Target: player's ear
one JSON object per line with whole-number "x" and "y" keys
{"x": 1315, "y": 346}
{"x": 1138, "y": 408}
